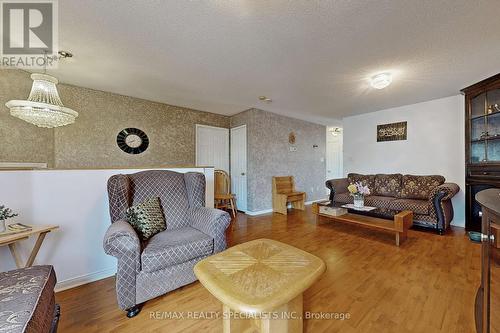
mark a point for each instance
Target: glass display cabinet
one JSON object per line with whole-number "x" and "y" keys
{"x": 482, "y": 144}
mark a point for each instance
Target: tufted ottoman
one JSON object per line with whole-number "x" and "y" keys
{"x": 27, "y": 300}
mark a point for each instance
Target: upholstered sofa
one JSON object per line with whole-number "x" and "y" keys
{"x": 429, "y": 197}
{"x": 27, "y": 300}
{"x": 165, "y": 262}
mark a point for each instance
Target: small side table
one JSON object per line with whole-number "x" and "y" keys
{"x": 260, "y": 284}
{"x": 11, "y": 240}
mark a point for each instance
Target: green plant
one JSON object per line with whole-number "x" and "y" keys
{"x": 6, "y": 213}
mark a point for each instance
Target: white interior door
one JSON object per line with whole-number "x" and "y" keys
{"x": 334, "y": 165}
{"x": 239, "y": 166}
{"x": 212, "y": 147}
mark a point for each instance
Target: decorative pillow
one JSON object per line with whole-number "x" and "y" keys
{"x": 366, "y": 180}
{"x": 388, "y": 185}
{"x": 147, "y": 218}
{"x": 420, "y": 187}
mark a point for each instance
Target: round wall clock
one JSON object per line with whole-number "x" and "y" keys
{"x": 132, "y": 141}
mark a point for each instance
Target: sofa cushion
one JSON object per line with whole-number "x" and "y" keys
{"x": 420, "y": 187}
{"x": 343, "y": 198}
{"x": 417, "y": 206}
{"x": 388, "y": 184}
{"x": 172, "y": 247}
{"x": 366, "y": 180}
{"x": 378, "y": 201}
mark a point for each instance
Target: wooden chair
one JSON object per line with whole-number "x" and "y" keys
{"x": 223, "y": 196}
{"x": 284, "y": 192}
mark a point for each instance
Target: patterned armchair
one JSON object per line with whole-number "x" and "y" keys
{"x": 165, "y": 262}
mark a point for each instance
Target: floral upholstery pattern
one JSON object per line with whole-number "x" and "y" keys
{"x": 27, "y": 301}
{"x": 420, "y": 187}
{"x": 430, "y": 203}
{"x": 366, "y": 180}
{"x": 388, "y": 185}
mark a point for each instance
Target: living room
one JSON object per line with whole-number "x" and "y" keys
{"x": 320, "y": 166}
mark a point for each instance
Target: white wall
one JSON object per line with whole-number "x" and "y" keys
{"x": 77, "y": 201}
{"x": 435, "y": 144}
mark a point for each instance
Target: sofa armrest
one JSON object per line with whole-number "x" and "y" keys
{"x": 121, "y": 241}
{"x": 444, "y": 192}
{"x": 443, "y": 209}
{"x": 337, "y": 186}
{"x": 212, "y": 222}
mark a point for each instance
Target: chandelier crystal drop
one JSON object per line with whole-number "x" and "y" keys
{"x": 44, "y": 107}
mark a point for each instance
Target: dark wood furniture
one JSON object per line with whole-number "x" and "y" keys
{"x": 397, "y": 222}
{"x": 487, "y": 308}
{"x": 482, "y": 144}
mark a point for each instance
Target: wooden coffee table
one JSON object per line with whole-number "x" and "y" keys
{"x": 397, "y": 222}
{"x": 260, "y": 284}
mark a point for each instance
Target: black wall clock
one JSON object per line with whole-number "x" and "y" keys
{"x": 132, "y": 141}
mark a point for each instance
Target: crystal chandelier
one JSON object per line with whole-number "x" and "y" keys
{"x": 43, "y": 107}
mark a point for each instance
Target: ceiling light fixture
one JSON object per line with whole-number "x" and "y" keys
{"x": 380, "y": 81}
{"x": 265, "y": 99}
{"x": 44, "y": 107}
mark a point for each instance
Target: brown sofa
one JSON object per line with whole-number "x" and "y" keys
{"x": 429, "y": 197}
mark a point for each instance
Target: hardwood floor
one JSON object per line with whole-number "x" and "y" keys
{"x": 426, "y": 285}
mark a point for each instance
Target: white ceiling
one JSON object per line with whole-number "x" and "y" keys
{"x": 312, "y": 57}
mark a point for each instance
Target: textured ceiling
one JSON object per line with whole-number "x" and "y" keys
{"x": 312, "y": 57}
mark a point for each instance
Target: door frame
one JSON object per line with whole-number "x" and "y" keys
{"x": 196, "y": 143}
{"x": 246, "y": 163}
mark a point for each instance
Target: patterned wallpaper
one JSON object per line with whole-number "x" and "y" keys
{"x": 20, "y": 141}
{"x": 269, "y": 155}
{"x": 91, "y": 141}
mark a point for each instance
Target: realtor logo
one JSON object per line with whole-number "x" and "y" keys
{"x": 29, "y": 29}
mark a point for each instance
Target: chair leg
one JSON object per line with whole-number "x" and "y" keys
{"x": 134, "y": 311}
{"x": 232, "y": 207}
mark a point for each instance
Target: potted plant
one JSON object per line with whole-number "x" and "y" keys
{"x": 5, "y": 213}
{"x": 358, "y": 192}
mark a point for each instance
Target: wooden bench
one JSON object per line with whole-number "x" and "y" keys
{"x": 284, "y": 192}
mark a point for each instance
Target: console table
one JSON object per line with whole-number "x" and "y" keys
{"x": 11, "y": 240}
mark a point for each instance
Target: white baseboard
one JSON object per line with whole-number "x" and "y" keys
{"x": 267, "y": 211}
{"x": 84, "y": 279}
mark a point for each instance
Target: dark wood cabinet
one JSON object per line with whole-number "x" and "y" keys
{"x": 482, "y": 144}
{"x": 487, "y": 307}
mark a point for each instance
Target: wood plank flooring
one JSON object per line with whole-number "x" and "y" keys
{"x": 426, "y": 285}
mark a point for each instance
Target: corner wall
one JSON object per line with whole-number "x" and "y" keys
{"x": 435, "y": 144}
{"x": 268, "y": 155}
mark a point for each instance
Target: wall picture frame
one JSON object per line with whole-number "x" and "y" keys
{"x": 392, "y": 131}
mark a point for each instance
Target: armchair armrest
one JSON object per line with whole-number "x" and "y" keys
{"x": 337, "y": 186}
{"x": 212, "y": 222}
{"x": 121, "y": 241}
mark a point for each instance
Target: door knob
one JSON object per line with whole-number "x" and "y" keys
{"x": 242, "y": 173}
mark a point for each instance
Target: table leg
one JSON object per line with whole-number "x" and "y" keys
{"x": 36, "y": 248}
{"x": 233, "y": 322}
{"x": 285, "y": 319}
{"x": 17, "y": 259}
{"x": 402, "y": 221}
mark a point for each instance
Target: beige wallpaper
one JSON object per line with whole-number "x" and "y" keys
{"x": 91, "y": 141}
{"x": 269, "y": 155}
{"x": 20, "y": 141}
